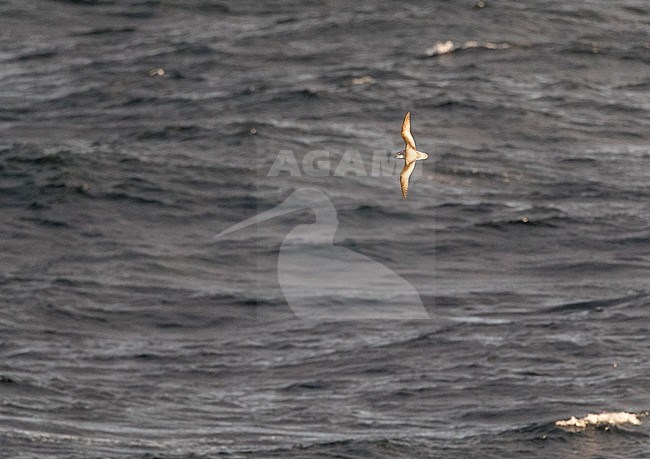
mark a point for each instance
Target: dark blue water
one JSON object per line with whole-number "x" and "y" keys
{"x": 135, "y": 131}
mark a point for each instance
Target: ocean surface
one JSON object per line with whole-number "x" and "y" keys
{"x": 510, "y": 290}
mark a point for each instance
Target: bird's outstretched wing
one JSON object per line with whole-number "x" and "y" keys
{"x": 406, "y": 131}
{"x": 405, "y": 176}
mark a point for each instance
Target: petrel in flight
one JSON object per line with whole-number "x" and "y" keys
{"x": 410, "y": 155}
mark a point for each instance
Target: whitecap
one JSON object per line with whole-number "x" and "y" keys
{"x": 605, "y": 419}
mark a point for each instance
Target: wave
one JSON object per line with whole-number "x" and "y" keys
{"x": 601, "y": 420}
{"x": 441, "y": 48}
{"x": 598, "y": 305}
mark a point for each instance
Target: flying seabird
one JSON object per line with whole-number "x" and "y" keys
{"x": 410, "y": 155}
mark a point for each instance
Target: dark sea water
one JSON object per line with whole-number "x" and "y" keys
{"x": 515, "y": 278}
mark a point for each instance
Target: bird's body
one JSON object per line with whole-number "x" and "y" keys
{"x": 410, "y": 154}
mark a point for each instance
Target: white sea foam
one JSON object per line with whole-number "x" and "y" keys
{"x": 447, "y": 47}
{"x": 604, "y": 419}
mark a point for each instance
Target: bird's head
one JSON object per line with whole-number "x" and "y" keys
{"x": 399, "y": 154}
